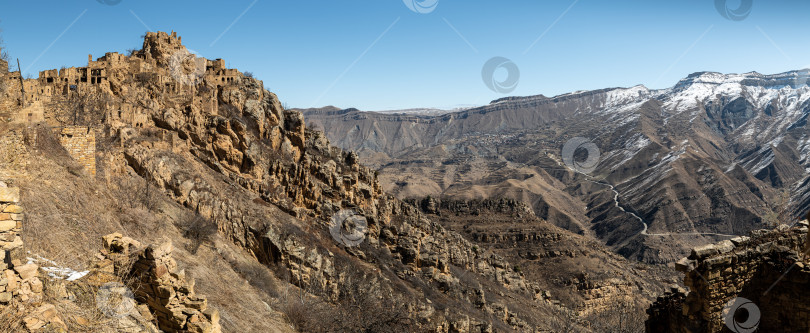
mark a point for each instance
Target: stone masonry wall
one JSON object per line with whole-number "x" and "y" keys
{"x": 159, "y": 284}
{"x": 11, "y": 216}
{"x": 13, "y": 154}
{"x": 20, "y": 283}
{"x": 80, "y": 143}
{"x": 768, "y": 269}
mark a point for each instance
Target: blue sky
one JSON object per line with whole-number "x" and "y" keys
{"x": 379, "y": 54}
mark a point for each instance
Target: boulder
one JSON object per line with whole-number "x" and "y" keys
{"x": 9, "y": 194}
{"x": 704, "y": 251}
{"x": 7, "y": 225}
{"x": 27, "y": 271}
{"x": 13, "y": 209}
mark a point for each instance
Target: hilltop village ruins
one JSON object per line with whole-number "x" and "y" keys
{"x": 70, "y": 97}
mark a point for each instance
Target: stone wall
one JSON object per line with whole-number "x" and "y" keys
{"x": 105, "y": 73}
{"x": 767, "y": 269}
{"x": 13, "y": 153}
{"x": 80, "y": 143}
{"x": 11, "y": 217}
{"x": 18, "y": 281}
{"x": 159, "y": 284}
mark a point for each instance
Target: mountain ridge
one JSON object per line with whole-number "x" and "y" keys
{"x": 707, "y": 121}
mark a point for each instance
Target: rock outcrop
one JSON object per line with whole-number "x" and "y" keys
{"x": 228, "y": 161}
{"x": 741, "y": 284}
{"x": 159, "y": 284}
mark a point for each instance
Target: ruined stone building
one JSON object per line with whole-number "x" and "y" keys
{"x": 108, "y": 75}
{"x": 107, "y": 89}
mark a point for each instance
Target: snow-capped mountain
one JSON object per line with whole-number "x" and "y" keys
{"x": 713, "y": 155}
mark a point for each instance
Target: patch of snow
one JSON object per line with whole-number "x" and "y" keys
{"x": 624, "y": 96}
{"x": 731, "y": 167}
{"x": 56, "y": 271}
{"x": 767, "y": 157}
{"x": 775, "y": 142}
{"x": 803, "y": 147}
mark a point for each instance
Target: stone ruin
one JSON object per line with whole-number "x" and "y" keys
{"x": 106, "y": 73}
{"x": 769, "y": 269}
{"x": 20, "y": 283}
{"x": 166, "y": 296}
{"x": 80, "y": 143}
{"x": 163, "y": 61}
{"x": 159, "y": 284}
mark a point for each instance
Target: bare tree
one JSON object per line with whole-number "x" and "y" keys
{"x": 3, "y": 55}
{"x": 363, "y": 305}
{"x": 81, "y": 108}
{"x": 564, "y": 321}
{"x": 624, "y": 316}
{"x": 198, "y": 230}
{"x": 781, "y": 213}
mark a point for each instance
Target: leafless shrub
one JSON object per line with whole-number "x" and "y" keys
{"x": 305, "y": 312}
{"x": 248, "y": 74}
{"x": 363, "y": 305}
{"x": 198, "y": 230}
{"x": 258, "y": 276}
{"x": 4, "y": 55}
{"x": 203, "y": 89}
{"x": 47, "y": 144}
{"x": 139, "y": 192}
{"x": 11, "y": 319}
{"x": 146, "y": 79}
{"x": 565, "y": 321}
{"x": 625, "y": 316}
{"x": 80, "y": 108}
{"x": 781, "y": 213}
